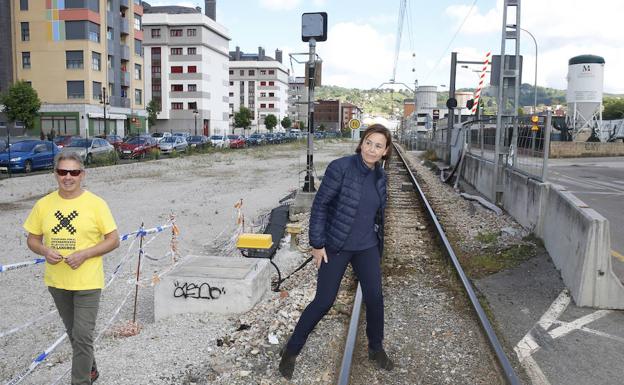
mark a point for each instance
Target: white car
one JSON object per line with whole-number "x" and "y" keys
{"x": 159, "y": 136}
{"x": 220, "y": 141}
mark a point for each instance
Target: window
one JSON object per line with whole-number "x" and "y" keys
{"x": 23, "y": 5}
{"x": 138, "y": 96}
{"x": 156, "y": 32}
{"x": 271, "y": 72}
{"x": 155, "y": 69}
{"x": 231, "y": 94}
{"x": 191, "y": 51}
{"x": 109, "y": 33}
{"x": 252, "y": 73}
{"x": 176, "y": 69}
{"x": 96, "y": 61}
{"x": 25, "y": 32}
{"x": 263, "y": 94}
{"x": 262, "y": 72}
{"x": 26, "y": 60}
{"x": 271, "y": 94}
{"x": 138, "y": 47}
{"x": 177, "y": 106}
{"x": 176, "y": 51}
{"x": 192, "y": 69}
{"x": 82, "y": 30}
{"x": 74, "y": 59}
{"x": 137, "y": 72}
{"x": 241, "y": 72}
{"x": 192, "y": 105}
{"x": 192, "y": 87}
{"x": 156, "y": 87}
{"x": 262, "y": 84}
{"x": 231, "y": 73}
{"x": 75, "y": 89}
{"x": 262, "y": 105}
{"x": 271, "y": 105}
{"x": 175, "y": 32}
{"x": 97, "y": 91}
{"x": 231, "y": 83}
{"x": 191, "y": 32}
{"x": 177, "y": 87}
{"x": 271, "y": 83}
{"x": 137, "y": 22}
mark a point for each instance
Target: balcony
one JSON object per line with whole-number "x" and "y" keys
{"x": 123, "y": 27}
{"x": 125, "y": 52}
{"x": 117, "y": 101}
{"x": 125, "y": 79}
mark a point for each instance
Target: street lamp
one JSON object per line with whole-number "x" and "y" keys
{"x": 195, "y": 112}
{"x": 104, "y": 102}
{"x": 535, "y": 81}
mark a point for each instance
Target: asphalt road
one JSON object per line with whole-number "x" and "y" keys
{"x": 599, "y": 182}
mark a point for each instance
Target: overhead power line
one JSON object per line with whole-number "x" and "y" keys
{"x": 397, "y": 48}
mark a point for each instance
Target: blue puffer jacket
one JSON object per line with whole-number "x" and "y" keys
{"x": 337, "y": 200}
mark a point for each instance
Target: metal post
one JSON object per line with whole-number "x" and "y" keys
{"x": 138, "y": 272}
{"x": 104, "y": 103}
{"x": 195, "y": 112}
{"x": 8, "y": 126}
{"x": 309, "y": 179}
{"x": 535, "y": 80}
{"x": 451, "y": 114}
{"x": 547, "y": 129}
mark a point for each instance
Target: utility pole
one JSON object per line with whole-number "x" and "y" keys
{"x": 451, "y": 110}
{"x": 308, "y": 186}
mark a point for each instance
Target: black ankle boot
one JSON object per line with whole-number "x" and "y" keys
{"x": 287, "y": 363}
{"x": 381, "y": 359}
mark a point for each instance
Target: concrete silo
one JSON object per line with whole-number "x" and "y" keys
{"x": 584, "y": 96}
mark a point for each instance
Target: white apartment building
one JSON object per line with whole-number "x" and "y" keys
{"x": 186, "y": 69}
{"x": 297, "y": 99}
{"x": 260, "y": 83}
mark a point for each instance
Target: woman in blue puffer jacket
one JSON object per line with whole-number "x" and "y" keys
{"x": 346, "y": 226}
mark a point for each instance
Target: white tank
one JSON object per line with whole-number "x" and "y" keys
{"x": 426, "y": 97}
{"x": 585, "y": 85}
{"x": 462, "y": 97}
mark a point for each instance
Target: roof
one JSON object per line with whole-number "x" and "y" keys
{"x": 171, "y": 9}
{"x": 585, "y": 59}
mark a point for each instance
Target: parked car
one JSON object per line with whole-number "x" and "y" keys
{"x": 28, "y": 155}
{"x": 173, "y": 144}
{"x": 90, "y": 149}
{"x": 160, "y": 135}
{"x": 137, "y": 147}
{"x": 236, "y": 141}
{"x": 182, "y": 134}
{"x": 114, "y": 140}
{"x": 199, "y": 141}
{"x": 220, "y": 141}
{"x": 63, "y": 140}
{"x": 256, "y": 139}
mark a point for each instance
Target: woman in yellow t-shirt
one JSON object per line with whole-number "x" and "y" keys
{"x": 72, "y": 228}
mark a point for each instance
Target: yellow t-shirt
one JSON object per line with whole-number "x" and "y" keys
{"x": 68, "y": 225}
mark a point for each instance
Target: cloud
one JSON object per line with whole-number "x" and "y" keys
{"x": 280, "y": 5}
{"x": 356, "y": 55}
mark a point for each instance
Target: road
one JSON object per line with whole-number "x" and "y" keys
{"x": 599, "y": 182}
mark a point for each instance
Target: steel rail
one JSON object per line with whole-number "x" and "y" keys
{"x": 508, "y": 370}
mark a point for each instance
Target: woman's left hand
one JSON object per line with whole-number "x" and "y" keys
{"x": 74, "y": 260}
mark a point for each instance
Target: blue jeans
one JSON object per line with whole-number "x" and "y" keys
{"x": 367, "y": 267}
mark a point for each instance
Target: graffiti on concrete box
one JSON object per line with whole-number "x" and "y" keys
{"x": 197, "y": 290}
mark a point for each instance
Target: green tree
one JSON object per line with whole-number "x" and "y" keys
{"x": 302, "y": 125}
{"x": 153, "y": 108}
{"x": 270, "y": 122}
{"x": 286, "y": 122}
{"x": 613, "y": 109}
{"x": 242, "y": 118}
{"x": 21, "y": 103}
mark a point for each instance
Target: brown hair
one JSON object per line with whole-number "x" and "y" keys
{"x": 379, "y": 129}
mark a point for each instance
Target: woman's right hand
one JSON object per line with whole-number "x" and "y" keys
{"x": 53, "y": 257}
{"x": 319, "y": 255}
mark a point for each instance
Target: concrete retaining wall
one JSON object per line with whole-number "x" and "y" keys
{"x": 575, "y": 236}
{"x": 585, "y": 149}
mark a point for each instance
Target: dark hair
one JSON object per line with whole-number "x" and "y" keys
{"x": 377, "y": 129}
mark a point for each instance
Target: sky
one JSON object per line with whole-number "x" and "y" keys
{"x": 360, "y": 48}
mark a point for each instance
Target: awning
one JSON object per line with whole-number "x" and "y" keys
{"x": 99, "y": 115}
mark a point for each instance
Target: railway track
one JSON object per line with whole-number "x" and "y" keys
{"x": 435, "y": 331}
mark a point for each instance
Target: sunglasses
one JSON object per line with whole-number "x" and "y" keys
{"x": 62, "y": 172}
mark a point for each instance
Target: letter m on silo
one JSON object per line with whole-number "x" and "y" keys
{"x": 586, "y": 68}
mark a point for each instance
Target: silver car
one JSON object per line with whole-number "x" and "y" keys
{"x": 173, "y": 144}
{"x": 90, "y": 149}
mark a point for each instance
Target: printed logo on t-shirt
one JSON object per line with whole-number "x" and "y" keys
{"x": 59, "y": 243}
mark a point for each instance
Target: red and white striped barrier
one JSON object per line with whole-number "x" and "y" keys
{"x": 486, "y": 64}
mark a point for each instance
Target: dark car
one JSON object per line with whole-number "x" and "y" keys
{"x": 256, "y": 139}
{"x": 137, "y": 147}
{"x": 28, "y": 155}
{"x": 198, "y": 141}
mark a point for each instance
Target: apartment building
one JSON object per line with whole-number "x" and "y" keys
{"x": 297, "y": 101}
{"x": 186, "y": 67}
{"x": 350, "y": 111}
{"x": 327, "y": 115}
{"x": 260, "y": 83}
{"x": 83, "y": 57}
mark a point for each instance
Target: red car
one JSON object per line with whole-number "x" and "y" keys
{"x": 63, "y": 140}
{"x": 114, "y": 140}
{"x": 236, "y": 141}
{"x": 137, "y": 147}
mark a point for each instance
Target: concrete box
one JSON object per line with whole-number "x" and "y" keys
{"x": 210, "y": 284}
